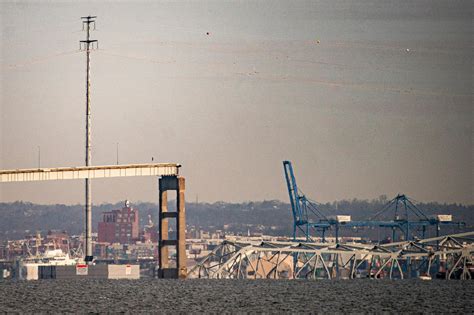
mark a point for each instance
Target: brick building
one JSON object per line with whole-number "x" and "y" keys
{"x": 150, "y": 233}
{"x": 119, "y": 226}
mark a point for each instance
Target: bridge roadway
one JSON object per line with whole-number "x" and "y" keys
{"x": 91, "y": 172}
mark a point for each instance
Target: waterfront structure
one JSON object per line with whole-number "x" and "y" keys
{"x": 119, "y": 226}
{"x": 449, "y": 257}
{"x": 29, "y": 268}
{"x": 400, "y": 215}
{"x": 37, "y": 245}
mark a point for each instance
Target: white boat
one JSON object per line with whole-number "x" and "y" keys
{"x": 28, "y": 267}
{"x": 424, "y": 277}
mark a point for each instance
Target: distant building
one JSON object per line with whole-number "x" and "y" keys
{"x": 150, "y": 233}
{"x": 119, "y": 226}
{"x": 59, "y": 239}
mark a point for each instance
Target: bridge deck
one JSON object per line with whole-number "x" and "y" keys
{"x": 82, "y": 172}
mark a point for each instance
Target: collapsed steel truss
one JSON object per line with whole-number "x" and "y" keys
{"x": 450, "y": 256}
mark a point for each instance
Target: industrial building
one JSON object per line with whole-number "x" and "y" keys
{"x": 119, "y": 226}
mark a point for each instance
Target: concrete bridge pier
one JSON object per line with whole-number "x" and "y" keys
{"x": 165, "y": 271}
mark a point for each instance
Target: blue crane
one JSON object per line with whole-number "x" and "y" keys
{"x": 407, "y": 218}
{"x": 306, "y": 215}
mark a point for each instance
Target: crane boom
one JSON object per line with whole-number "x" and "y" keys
{"x": 293, "y": 192}
{"x": 302, "y": 208}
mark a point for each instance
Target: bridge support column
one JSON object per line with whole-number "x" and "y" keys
{"x": 165, "y": 271}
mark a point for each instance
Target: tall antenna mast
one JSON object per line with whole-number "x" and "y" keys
{"x": 88, "y": 45}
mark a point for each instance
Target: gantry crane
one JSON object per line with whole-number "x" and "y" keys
{"x": 407, "y": 218}
{"x": 306, "y": 215}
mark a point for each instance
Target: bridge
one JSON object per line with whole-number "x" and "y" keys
{"x": 169, "y": 180}
{"x": 449, "y": 256}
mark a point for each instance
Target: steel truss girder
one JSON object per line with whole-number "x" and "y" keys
{"x": 237, "y": 260}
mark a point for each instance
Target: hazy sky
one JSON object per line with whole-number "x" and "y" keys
{"x": 381, "y": 104}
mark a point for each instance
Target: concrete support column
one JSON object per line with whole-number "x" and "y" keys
{"x": 163, "y": 230}
{"x": 181, "y": 225}
{"x": 178, "y": 184}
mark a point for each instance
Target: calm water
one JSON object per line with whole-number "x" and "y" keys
{"x": 274, "y": 296}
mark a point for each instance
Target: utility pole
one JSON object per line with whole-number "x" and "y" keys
{"x": 39, "y": 157}
{"x": 117, "y": 153}
{"x": 88, "y": 45}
